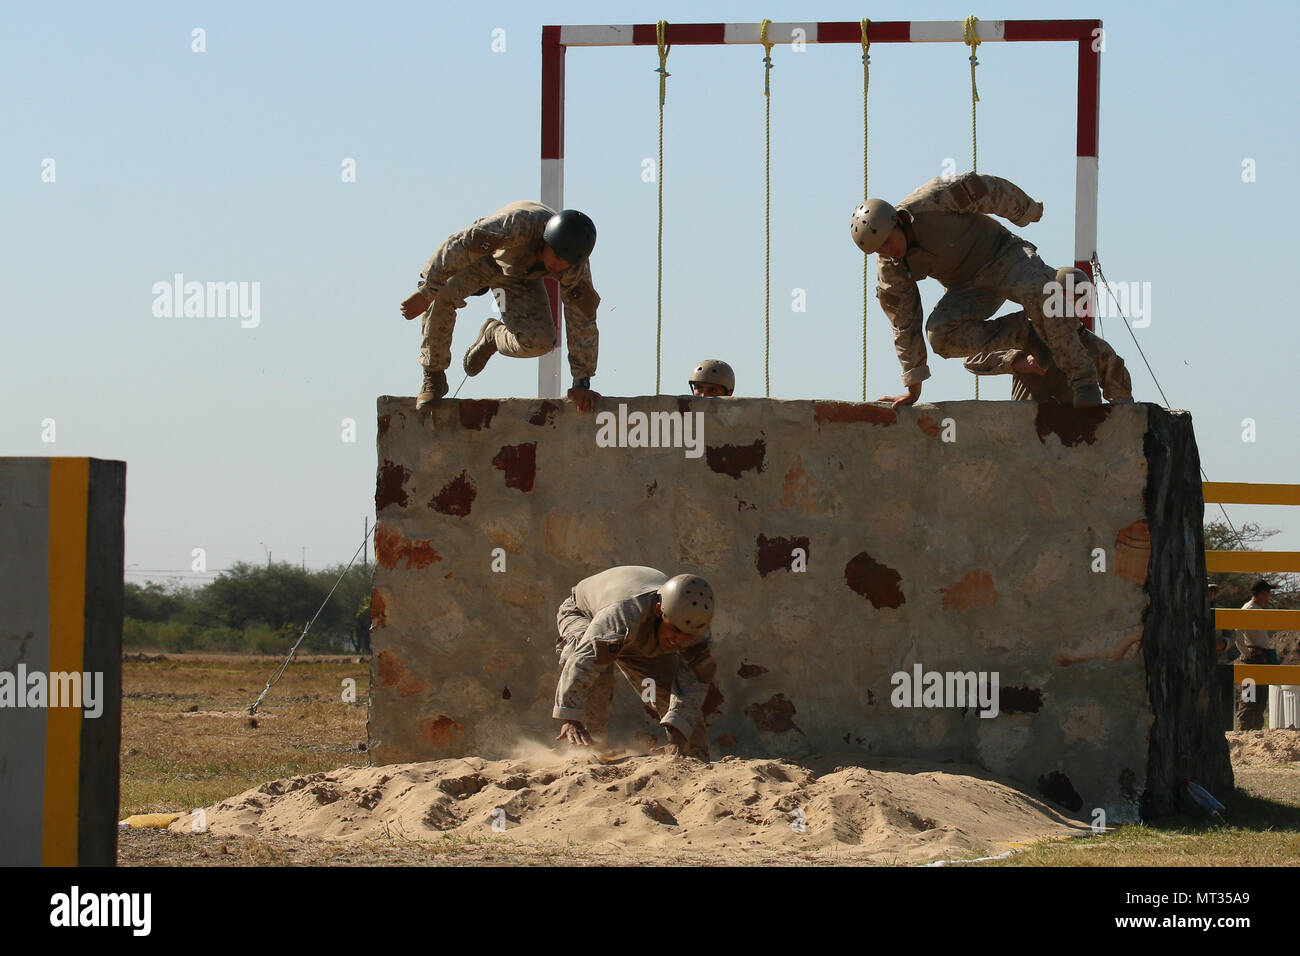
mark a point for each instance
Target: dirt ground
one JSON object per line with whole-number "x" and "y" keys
{"x": 291, "y": 786}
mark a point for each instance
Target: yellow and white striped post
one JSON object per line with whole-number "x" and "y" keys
{"x": 61, "y": 557}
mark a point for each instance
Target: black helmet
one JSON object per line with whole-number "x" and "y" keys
{"x": 571, "y": 235}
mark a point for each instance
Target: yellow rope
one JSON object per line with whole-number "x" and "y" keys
{"x": 971, "y": 38}
{"x": 660, "y": 29}
{"x": 767, "y": 209}
{"x": 866, "y": 83}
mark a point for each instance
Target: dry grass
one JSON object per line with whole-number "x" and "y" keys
{"x": 187, "y": 742}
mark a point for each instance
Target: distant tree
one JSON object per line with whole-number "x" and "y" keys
{"x": 274, "y": 595}
{"x": 262, "y": 601}
{"x": 152, "y": 601}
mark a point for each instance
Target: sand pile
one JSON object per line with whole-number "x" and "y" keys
{"x": 1256, "y": 749}
{"x": 886, "y": 811}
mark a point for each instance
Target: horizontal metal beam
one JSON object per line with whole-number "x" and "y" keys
{"x": 886, "y": 31}
{"x": 1252, "y": 561}
{"x": 1266, "y": 673}
{"x": 1248, "y": 493}
{"x": 1257, "y": 619}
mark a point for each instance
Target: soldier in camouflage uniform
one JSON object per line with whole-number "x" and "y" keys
{"x": 1036, "y": 378}
{"x": 511, "y": 250}
{"x": 651, "y": 627}
{"x": 944, "y": 230}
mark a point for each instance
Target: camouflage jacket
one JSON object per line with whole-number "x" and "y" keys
{"x": 512, "y": 236}
{"x": 953, "y": 238}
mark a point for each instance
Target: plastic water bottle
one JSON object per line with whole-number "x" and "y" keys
{"x": 1203, "y": 799}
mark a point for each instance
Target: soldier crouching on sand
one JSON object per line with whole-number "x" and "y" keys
{"x": 945, "y": 230}
{"x": 511, "y": 250}
{"x": 1036, "y": 378}
{"x": 653, "y": 628}
{"x": 712, "y": 378}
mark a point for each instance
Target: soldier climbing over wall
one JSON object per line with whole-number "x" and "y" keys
{"x": 656, "y": 630}
{"x": 1036, "y": 378}
{"x": 944, "y": 230}
{"x": 712, "y": 378}
{"x": 511, "y": 250}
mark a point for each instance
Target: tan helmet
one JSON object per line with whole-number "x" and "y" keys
{"x": 714, "y": 372}
{"x": 687, "y": 602}
{"x": 1075, "y": 281}
{"x": 873, "y": 221}
{"x": 1067, "y": 275}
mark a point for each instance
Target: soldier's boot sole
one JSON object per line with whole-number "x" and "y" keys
{"x": 434, "y": 388}
{"x": 484, "y": 348}
{"x": 1087, "y": 396}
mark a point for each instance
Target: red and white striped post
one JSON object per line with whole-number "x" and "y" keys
{"x": 1086, "y": 33}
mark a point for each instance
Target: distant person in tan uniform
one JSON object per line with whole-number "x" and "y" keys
{"x": 1255, "y": 647}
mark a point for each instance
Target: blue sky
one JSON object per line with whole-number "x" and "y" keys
{"x": 226, "y": 165}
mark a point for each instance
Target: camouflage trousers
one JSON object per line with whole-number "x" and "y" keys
{"x": 957, "y": 327}
{"x": 528, "y": 329}
{"x": 662, "y": 670}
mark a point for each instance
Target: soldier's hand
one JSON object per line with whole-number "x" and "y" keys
{"x": 415, "y": 304}
{"x": 575, "y": 733}
{"x": 1035, "y": 213}
{"x": 913, "y": 393}
{"x": 584, "y": 398}
{"x": 676, "y": 746}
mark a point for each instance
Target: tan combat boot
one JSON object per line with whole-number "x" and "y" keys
{"x": 434, "y": 388}
{"x": 484, "y": 348}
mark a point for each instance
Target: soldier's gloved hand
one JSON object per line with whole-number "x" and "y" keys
{"x": 575, "y": 733}
{"x": 1035, "y": 213}
{"x": 584, "y": 398}
{"x": 415, "y": 304}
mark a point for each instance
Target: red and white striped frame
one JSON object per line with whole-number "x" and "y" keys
{"x": 557, "y": 39}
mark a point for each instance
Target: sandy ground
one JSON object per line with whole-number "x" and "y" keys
{"x": 1259, "y": 749}
{"x": 733, "y": 810}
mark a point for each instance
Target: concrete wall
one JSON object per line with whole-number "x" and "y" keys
{"x": 61, "y": 543}
{"x": 955, "y": 537}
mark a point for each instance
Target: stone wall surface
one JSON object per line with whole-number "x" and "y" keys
{"x": 847, "y": 544}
